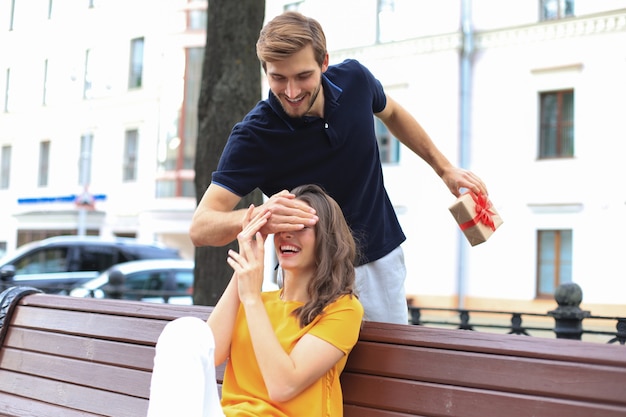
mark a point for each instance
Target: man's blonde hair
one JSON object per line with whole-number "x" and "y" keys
{"x": 287, "y": 34}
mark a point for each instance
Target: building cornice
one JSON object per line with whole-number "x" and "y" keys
{"x": 396, "y": 49}
{"x": 575, "y": 27}
{"x": 552, "y": 30}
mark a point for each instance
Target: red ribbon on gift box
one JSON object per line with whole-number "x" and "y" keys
{"x": 483, "y": 214}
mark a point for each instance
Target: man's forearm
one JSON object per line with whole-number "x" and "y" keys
{"x": 215, "y": 228}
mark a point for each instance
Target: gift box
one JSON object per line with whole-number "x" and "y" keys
{"x": 476, "y": 217}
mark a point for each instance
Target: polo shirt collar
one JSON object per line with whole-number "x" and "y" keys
{"x": 332, "y": 93}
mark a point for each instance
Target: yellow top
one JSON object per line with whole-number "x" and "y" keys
{"x": 243, "y": 390}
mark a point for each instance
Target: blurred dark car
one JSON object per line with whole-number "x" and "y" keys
{"x": 58, "y": 264}
{"x": 157, "y": 280}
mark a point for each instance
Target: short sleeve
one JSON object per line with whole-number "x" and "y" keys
{"x": 340, "y": 323}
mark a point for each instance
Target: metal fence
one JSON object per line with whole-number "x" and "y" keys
{"x": 567, "y": 321}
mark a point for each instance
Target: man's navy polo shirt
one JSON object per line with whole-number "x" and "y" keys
{"x": 274, "y": 152}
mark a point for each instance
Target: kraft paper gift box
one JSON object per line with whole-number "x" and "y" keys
{"x": 476, "y": 217}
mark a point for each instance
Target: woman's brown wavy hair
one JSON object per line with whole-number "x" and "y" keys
{"x": 335, "y": 253}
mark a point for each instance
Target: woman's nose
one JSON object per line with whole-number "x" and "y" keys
{"x": 285, "y": 235}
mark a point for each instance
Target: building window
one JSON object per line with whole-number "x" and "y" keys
{"x": 388, "y": 145}
{"x": 193, "y": 79}
{"x": 196, "y": 15}
{"x": 7, "y": 87}
{"x": 293, "y": 6}
{"x": 88, "y": 75}
{"x": 556, "y": 9}
{"x": 5, "y": 167}
{"x": 44, "y": 99}
{"x": 12, "y": 15}
{"x": 556, "y": 136}
{"x": 136, "y": 63}
{"x": 385, "y": 20}
{"x": 84, "y": 166}
{"x": 29, "y": 235}
{"x": 554, "y": 260}
{"x": 50, "y": 9}
{"x": 130, "y": 155}
{"x": 177, "y": 153}
{"x": 44, "y": 163}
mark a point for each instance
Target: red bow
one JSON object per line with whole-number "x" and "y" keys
{"x": 483, "y": 214}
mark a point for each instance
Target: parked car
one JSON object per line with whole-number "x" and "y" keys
{"x": 157, "y": 280}
{"x": 58, "y": 264}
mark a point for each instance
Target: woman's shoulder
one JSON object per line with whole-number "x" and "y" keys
{"x": 346, "y": 302}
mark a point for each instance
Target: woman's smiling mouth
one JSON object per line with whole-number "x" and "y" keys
{"x": 289, "y": 249}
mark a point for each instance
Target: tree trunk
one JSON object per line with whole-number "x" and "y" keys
{"x": 231, "y": 86}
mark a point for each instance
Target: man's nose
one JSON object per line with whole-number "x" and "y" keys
{"x": 292, "y": 90}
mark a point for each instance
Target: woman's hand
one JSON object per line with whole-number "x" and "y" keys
{"x": 248, "y": 262}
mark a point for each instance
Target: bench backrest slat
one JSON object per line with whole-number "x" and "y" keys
{"x": 428, "y": 399}
{"x": 497, "y": 344}
{"x": 13, "y": 405}
{"x": 519, "y": 375}
{"x": 79, "y": 347}
{"x": 74, "y": 397}
{"x": 78, "y": 372}
{"x": 98, "y": 325}
{"x": 122, "y": 308}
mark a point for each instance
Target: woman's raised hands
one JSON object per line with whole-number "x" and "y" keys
{"x": 248, "y": 262}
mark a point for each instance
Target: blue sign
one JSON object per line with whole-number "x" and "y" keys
{"x": 61, "y": 199}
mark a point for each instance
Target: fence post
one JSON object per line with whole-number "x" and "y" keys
{"x": 116, "y": 286}
{"x": 416, "y": 315}
{"x": 568, "y": 317}
{"x": 464, "y": 316}
{"x": 620, "y": 336}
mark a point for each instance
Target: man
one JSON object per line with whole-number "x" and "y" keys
{"x": 317, "y": 126}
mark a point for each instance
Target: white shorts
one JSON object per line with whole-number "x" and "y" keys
{"x": 380, "y": 287}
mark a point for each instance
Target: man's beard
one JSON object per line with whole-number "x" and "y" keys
{"x": 313, "y": 98}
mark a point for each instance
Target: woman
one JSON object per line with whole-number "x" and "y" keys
{"x": 286, "y": 348}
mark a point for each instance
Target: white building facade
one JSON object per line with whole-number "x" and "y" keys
{"x": 94, "y": 102}
{"x": 528, "y": 95}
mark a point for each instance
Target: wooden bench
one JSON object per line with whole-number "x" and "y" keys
{"x": 69, "y": 357}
